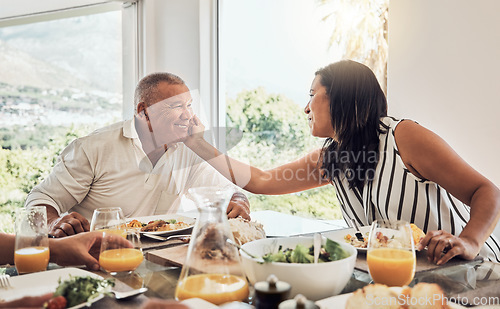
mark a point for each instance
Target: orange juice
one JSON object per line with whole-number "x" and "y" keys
{"x": 393, "y": 267}
{"x": 215, "y": 288}
{"x": 123, "y": 259}
{"x": 120, "y": 232}
{"x": 31, "y": 259}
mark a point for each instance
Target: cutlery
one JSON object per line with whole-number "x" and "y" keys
{"x": 5, "y": 281}
{"x": 128, "y": 294}
{"x": 231, "y": 242}
{"x": 358, "y": 234}
{"x": 317, "y": 246}
{"x": 183, "y": 238}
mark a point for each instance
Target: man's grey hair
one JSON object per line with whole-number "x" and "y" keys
{"x": 147, "y": 91}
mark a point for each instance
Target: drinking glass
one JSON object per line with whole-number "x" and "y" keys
{"x": 391, "y": 253}
{"x": 32, "y": 242}
{"x": 108, "y": 219}
{"x": 119, "y": 256}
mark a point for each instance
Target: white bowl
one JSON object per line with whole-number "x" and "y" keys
{"x": 314, "y": 281}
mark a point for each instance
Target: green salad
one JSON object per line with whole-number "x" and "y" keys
{"x": 331, "y": 251}
{"x": 79, "y": 290}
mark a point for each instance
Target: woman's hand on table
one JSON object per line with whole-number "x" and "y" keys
{"x": 443, "y": 246}
{"x": 195, "y": 132}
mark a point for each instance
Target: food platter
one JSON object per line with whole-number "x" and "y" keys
{"x": 189, "y": 223}
{"x": 40, "y": 283}
{"x": 340, "y": 301}
{"x": 340, "y": 235}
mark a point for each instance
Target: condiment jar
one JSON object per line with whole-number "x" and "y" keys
{"x": 270, "y": 293}
{"x": 299, "y": 302}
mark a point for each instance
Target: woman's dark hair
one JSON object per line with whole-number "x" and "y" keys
{"x": 356, "y": 105}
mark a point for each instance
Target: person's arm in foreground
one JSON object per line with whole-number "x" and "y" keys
{"x": 428, "y": 156}
{"x": 80, "y": 249}
{"x": 27, "y": 302}
{"x": 295, "y": 176}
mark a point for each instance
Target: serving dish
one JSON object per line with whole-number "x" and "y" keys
{"x": 315, "y": 281}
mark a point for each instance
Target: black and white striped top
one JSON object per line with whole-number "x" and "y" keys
{"x": 396, "y": 194}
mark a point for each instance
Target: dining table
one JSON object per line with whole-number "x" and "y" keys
{"x": 466, "y": 282}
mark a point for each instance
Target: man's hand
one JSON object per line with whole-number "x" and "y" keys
{"x": 69, "y": 224}
{"x": 239, "y": 206}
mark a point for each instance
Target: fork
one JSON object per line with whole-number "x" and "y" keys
{"x": 5, "y": 281}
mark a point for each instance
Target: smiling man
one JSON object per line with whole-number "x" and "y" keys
{"x": 140, "y": 164}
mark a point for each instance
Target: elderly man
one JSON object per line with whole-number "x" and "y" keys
{"x": 140, "y": 164}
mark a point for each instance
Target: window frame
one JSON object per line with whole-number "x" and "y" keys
{"x": 26, "y": 13}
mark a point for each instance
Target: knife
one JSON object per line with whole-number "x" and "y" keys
{"x": 358, "y": 234}
{"x": 183, "y": 238}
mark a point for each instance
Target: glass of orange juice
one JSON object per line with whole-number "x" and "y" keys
{"x": 108, "y": 219}
{"x": 32, "y": 242}
{"x": 118, "y": 256}
{"x": 391, "y": 253}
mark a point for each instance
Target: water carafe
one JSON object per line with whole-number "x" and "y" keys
{"x": 212, "y": 270}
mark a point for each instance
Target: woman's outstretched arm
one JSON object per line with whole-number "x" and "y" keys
{"x": 299, "y": 175}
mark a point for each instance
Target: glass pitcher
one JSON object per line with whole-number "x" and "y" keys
{"x": 212, "y": 270}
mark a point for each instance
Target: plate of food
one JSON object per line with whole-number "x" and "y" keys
{"x": 78, "y": 287}
{"x": 348, "y": 236}
{"x": 161, "y": 224}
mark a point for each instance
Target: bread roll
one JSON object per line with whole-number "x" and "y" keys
{"x": 245, "y": 231}
{"x": 425, "y": 296}
{"x": 379, "y": 296}
{"x": 373, "y": 296}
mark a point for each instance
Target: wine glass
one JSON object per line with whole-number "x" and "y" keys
{"x": 32, "y": 242}
{"x": 108, "y": 219}
{"x": 391, "y": 253}
{"x": 120, "y": 255}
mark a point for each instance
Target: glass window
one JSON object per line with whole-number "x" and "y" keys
{"x": 60, "y": 79}
{"x": 268, "y": 53}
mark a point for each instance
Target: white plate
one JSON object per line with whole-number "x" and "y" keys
{"x": 44, "y": 282}
{"x": 147, "y": 219}
{"x": 338, "y": 235}
{"x": 339, "y": 301}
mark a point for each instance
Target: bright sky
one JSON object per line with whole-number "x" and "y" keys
{"x": 277, "y": 44}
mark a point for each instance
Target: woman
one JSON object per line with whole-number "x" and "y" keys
{"x": 381, "y": 167}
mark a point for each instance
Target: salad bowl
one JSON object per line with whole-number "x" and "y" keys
{"x": 314, "y": 281}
